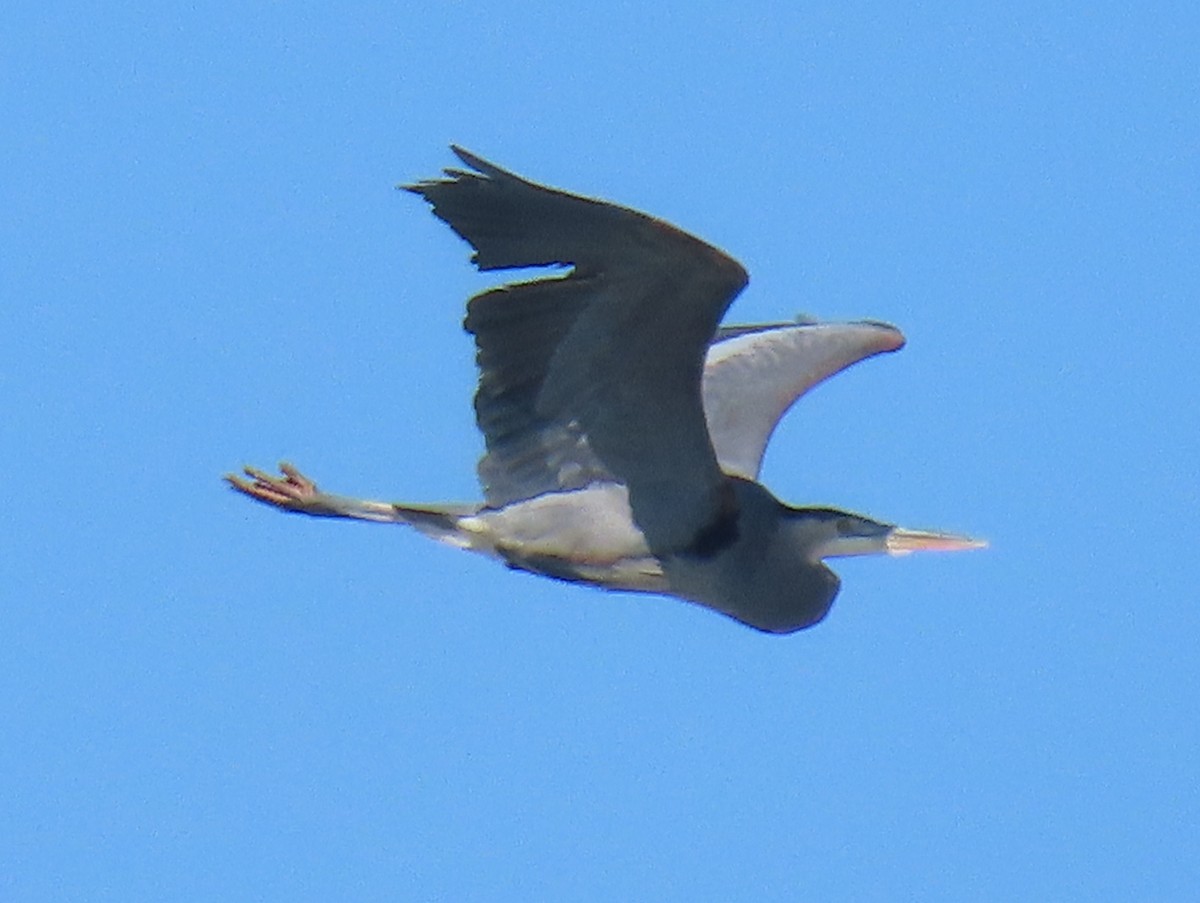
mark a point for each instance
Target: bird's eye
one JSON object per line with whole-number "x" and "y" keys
{"x": 845, "y": 526}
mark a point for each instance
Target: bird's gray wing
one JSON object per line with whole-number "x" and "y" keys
{"x": 753, "y": 374}
{"x": 594, "y": 373}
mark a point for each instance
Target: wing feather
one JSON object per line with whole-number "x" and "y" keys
{"x": 754, "y": 374}
{"x": 602, "y": 365}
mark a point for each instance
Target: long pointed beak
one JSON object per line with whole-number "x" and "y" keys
{"x": 902, "y": 541}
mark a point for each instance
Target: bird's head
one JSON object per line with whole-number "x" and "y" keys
{"x": 830, "y": 533}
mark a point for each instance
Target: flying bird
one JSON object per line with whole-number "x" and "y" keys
{"x": 624, "y": 428}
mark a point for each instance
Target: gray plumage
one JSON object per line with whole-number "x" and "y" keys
{"x": 625, "y": 429}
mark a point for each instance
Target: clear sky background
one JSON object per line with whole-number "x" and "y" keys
{"x": 203, "y": 263}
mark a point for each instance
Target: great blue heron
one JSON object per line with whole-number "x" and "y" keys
{"x": 624, "y": 429}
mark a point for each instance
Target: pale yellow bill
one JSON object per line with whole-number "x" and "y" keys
{"x": 902, "y": 541}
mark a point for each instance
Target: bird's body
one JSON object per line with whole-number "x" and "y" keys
{"x": 624, "y": 429}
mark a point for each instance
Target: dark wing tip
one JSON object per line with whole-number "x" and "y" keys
{"x": 477, "y": 163}
{"x": 483, "y": 169}
{"x": 512, "y": 222}
{"x": 509, "y": 221}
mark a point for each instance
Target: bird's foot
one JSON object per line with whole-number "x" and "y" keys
{"x": 292, "y": 492}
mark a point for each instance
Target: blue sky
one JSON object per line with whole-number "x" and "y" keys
{"x": 203, "y": 263}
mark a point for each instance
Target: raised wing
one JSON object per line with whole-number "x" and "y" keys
{"x": 595, "y": 373}
{"x": 753, "y": 374}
